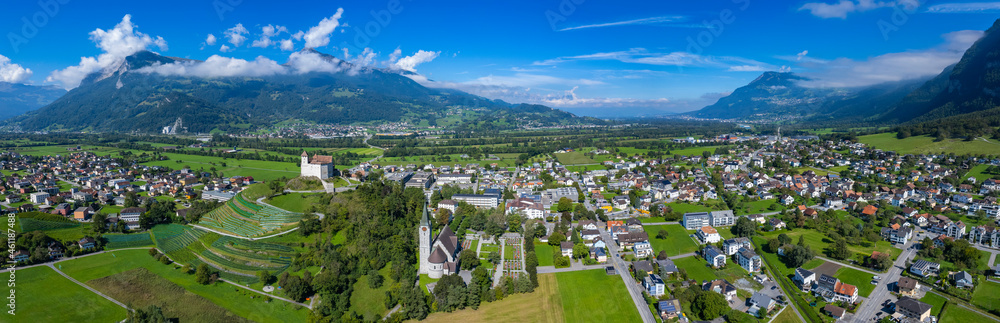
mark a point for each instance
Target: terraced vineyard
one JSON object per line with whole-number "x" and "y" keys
{"x": 238, "y": 259}
{"x": 248, "y": 219}
{"x": 37, "y": 221}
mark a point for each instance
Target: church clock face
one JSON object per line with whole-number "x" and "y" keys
{"x": 424, "y": 228}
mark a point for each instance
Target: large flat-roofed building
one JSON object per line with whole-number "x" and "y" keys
{"x": 552, "y": 196}
{"x": 399, "y": 177}
{"x": 448, "y": 179}
{"x": 696, "y": 220}
{"x": 487, "y": 201}
{"x": 420, "y": 180}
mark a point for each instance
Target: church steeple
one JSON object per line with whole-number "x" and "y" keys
{"x": 424, "y": 220}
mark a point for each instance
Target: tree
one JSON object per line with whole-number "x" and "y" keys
{"x": 468, "y": 259}
{"x": 556, "y": 238}
{"x": 150, "y": 314}
{"x": 581, "y": 251}
{"x": 709, "y": 305}
{"x": 494, "y": 258}
{"x": 840, "y": 250}
{"x": 744, "y": 227}
{"x": 662, "y": 234}
{"x": 784, "y": 239}
{"x": 773, "y": 245}
{"x": 802, "y": 241}
{"x": 564, "y": 205}
{"x": 798, "y": 256}
{"x": 442, "y": 216}
{"x": 265, "y": 277}
{"x": 203, "y": 275}
{"x": 98, "y": 224}
{"x": 375, "y": 279}
{"x": 131, "y": 199}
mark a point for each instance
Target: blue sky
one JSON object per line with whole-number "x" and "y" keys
{"x": 592, "y": 57}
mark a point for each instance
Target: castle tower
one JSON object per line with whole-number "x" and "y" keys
{"x": 305, "y": 158}
{"x": 424, "y": 233}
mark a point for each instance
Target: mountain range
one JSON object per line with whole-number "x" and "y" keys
{"x": 16, "y": 99}
{"x": 964, "y": 91}
{"x": 129, "y": 97}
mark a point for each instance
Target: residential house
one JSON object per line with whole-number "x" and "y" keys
{"x": 963, "y": 279}
{"x": 667, "y": 266}
{"x": 567, "y": 248}
{"x": 760, "y": 301}
{"x": 925, "y": 268}
{"x": 714, "y": 256}
{"x": 87, "y": 243}
{"x": 897, "y": 233}
{"x": 721, "y": 286}
{"x": 777, "y": 224}
{"x": 907, "y": 286}
{"x": 693, "y": 221}
{"x": 804, "y": 278}
{"x": 748, "y": 259}
{"x": 955, "y": 229}
{"x": 643, "y": 266}
{"x": 914, "y": 309}
{"x": 834, "y": 311}
{"x": 669, "y": 309}
{"x": 654, "y": 285}
{"x": 708, "y": 234}
{"x": 20, "y": 255}
{"x": 731, "y": 246}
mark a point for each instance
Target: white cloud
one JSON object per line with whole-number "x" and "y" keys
{"x": 287, "y": 45}
{"x": 236, "y": 34}
{"x": 748, "y": 68}
{"x": 319, "y": 35}
{"x": 13, "y": 73}
{"x": 799, "y": 56}
{"x": 844, "y": 72}
{"x": 210, "y": 40}
{"x": 218, "y": 66}
{"x": 225, "y": 48}
{"x": 643, "y": 21}
{"x": 975, "y": 7}
{"x": 409, "y": 63}
{"x": 116, "y": 44}
{"x": 843, "y": 7}
{"x": 266, "y": 33}
{"x": 643, "y": 56}
{"x": 305, "y": 62}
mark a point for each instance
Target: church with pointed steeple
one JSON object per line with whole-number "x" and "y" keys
{"x": 438, "y": 256}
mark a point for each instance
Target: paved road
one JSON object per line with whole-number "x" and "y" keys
{"x": 87, "y": 287}
{"x": 267, "y": 294}
{"x": 874, "y": 303}
{"x": 633, "y": 288}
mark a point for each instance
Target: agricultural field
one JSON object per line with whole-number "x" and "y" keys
{"x": 987, "y": 295}
{"x": 957, "y": 314}
{"x": 926, "y": 145}
{"x": 677, "y": 242}
{"x": 243, "y": 217}
{"x": 241, "y": 302}
{"x": 41, "y": 289}
{"x": 135, "y": 240}
{"x": 295, "y": 202}
{"x": 979, "y": 172}
{"x": 142, "y": 288}
{"x": 594, "y": 296}
{"x": 542, "y": 305}
{"x": 573, "y": 158}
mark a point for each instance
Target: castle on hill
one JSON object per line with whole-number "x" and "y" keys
{"x": 317, "y": 166}
{"x": 438, "y": 257}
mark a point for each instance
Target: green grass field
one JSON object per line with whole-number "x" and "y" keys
{"x": 683, "y": 207}
{"x": 762, "y": 206}
{"x": 369, "y": 302}
{"x": 987, "y": 295}
{"x": 857, "y": 278}
{"x": 936, "y": 301}
{"x": 45, "y": 296}
{"x": 956, "y": 314}
{"x": 786, "y": 316}
{"x": 246, "y": 304}
{"x": 926, "y": 145}
{"x": 979, "y": 173}
{"x": 594, "y": 296}
{"x": 819, "y": 242}
{"x": 544, "y": 253}
{"x": 295, "y": 202}
{"x": 697, "y": 269}
{"x": 140, "y": 288}
{"x": 544, "y": 305}
{"x": 677, "y": 242}
{"x": 573, "y": 158}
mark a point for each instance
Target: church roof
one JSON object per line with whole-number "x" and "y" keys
{"x": 424, "y": 221}
{"x": 448, "y": 240}
{"x": 438, "y": 256}
{"x": 320, "y": 160}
